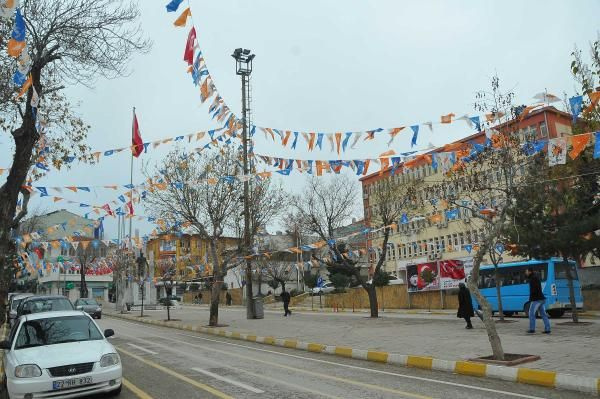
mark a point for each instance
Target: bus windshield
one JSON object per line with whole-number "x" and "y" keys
{"x": 511, "y": 275}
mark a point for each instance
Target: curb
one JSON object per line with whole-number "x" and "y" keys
{"x": 549, "y": 379}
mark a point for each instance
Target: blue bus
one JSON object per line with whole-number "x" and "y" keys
{"x": 515, "y": 287}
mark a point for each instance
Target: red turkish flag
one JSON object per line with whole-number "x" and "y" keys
{"x": 452, "y": 269}
{"x": 188, "y": 55}
{"x": 130, "y": 207}
{"x": 137, "y": 144}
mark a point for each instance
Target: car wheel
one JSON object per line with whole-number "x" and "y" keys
{"x": 99, "y": 316}
{"x": 116, "y": 392}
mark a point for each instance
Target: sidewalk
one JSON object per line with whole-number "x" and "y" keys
{"x": 569, "y": 349}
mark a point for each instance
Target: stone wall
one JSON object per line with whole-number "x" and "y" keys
{"x": 591, "y": 299}
{"x": 393, "y": 297}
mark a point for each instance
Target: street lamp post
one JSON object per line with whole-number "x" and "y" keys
{"x": 243, "y": 61}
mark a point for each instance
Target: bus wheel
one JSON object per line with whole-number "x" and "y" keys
{"x": 556, "y": 313}
{"x": 509, "y": 314}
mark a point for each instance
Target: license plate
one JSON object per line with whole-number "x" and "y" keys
{"x": 71, "y": 382}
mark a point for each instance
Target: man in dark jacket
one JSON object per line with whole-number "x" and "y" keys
{"x": 285, "y": 297}
{"x": 465, "y": 305}
{"x": 537, "y": 302}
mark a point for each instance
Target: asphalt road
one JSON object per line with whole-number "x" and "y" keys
{"x": 165, "y": 363}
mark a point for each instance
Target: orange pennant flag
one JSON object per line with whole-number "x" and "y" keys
{"x": 74, "y": 189}
{"x": 594, "y": 99}
{"x": 578, "y": 143}
{"x": 56, "y": 199}
{"x": 182, "y": 19}
{"x": 447, "y": 118}
{"x": 311, "y": 143}
{"x": 366, "y": 167}
{"x": 385, "y": 162}
{"x": 25, "y": 87}
{"x": 284, "y": 140}
{"x": 15, "y": 48}
{"x": 338, "y": 141}
{"x": 84, "y": 244}
{"x": 388, "y": 153}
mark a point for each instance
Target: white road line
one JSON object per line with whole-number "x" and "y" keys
{"x": 228, "y": 380}
{"x": 430, "y": 380}
{"x": 142, "y": 349}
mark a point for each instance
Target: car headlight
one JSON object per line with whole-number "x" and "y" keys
{"x": 28, "y": 371}
{"x": 110, "y": 359}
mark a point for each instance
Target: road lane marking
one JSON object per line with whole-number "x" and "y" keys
{"x": 314, "y": 374}
{"x": 406, "y": 376}
{"x": 142, "y": 349}
{"x": 138, "y": 392}
{"x": 181, "y": 377}
{"x": 228, "y": 380}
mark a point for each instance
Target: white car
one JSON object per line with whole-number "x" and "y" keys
{"x": 60, "y": 354}
{"x": 396, "y": 281}
{"x": 324, "y": 289}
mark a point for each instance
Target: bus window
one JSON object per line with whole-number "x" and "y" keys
{"x": 560, "y": 270}
{"x": 512, "y": 275}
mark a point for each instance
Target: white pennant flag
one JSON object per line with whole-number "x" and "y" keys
{"x": 35, "y": 98}
{"x": 557, "y": 151}
{"x": 356, "y": 137}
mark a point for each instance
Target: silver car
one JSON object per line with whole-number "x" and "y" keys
{"x": 89, "y": 306}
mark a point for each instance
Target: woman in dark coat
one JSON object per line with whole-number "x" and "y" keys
{"x": 465, "y": 305}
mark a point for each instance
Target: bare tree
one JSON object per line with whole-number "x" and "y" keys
{"x": 277, "y": 272}
{"x": 200, "y": 190}
{"x": 68, "y": 42}
{"x": 86, "y": 253}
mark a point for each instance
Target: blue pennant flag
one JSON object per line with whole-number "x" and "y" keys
{"x": 285, "y": 172}
{"x": 576, "y": 104}
{"x": 345, "y": 142}
{"x": 475, "y": 120}
{"x": 173, "y": 5}
{"x": 19, "y": 78}
{"x": 295, "y": 140}
{"x": 178, "y": 138}
{"x": 500, "y": 248}
{"x": 415, "y": 129}
{"x": 211, "y": 133}
{"x": 84, "y": 206}
{"x": 597, "y": 145}
{"x": 468, "y": 248}
{"x": 434, "y": 162}
{"x": 40, "y": 165}
{"x": 395, "y": 163}
{"x": 253, "y": 131}
{"x": 18, "y": 32}
{"x": 452, "y": 214}
{"x": 43, "y": 191}
{"x": 108, "y": 153}
{"x": 129, "y": 186}
{"x": 122, "y": 198}
{"x": 360, "y": 166}
{"x": 404, "y": 219}
{"x": 531, "y": 148}
{"x": 69, "y": 159}
{"x": 84, "y": 189}
{"x": 320, "y": 140}
{"x": 310, "y": 163}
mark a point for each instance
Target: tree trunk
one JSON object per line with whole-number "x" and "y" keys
{"x": 213, "y": 319}
{"x": 168, "y": 308}
{"x": 488, "y": 321}
{"x": 372, "y": 300}
{"x": 498, "y": 292}
{"x": 249, "y": 294}
{"x": 574, "y": 314}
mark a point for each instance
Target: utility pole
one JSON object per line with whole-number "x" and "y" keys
{"x": 243, "y": 58}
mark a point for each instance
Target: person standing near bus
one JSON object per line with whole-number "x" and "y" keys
{"x": 465, "y": 305}
{"x": 537, "y": 302}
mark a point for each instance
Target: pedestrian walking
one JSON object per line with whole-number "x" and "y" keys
{"x": 200, "y": 297}
{"x": 465, "y": 305}
{"x": 228, "y": 298}
{"x": 537, "y": 302}
{"x": 285, "y": 297}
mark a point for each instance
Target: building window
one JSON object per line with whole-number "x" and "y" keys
{"x": 543, "y": 130}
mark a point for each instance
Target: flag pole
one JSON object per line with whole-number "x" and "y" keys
{"x": 131, "y": 180}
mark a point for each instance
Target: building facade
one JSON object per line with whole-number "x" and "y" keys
{"x": 427, "y": 237}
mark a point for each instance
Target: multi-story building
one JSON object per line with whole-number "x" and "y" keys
{"x": 63, "y": 239}
{"x": 425, "y": 238}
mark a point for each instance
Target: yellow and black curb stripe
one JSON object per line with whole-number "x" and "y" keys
{"x": 550, "y": 379}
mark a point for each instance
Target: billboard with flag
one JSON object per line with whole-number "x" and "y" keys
{"x": 423, "y": 277}
{"x": 452, "y": 272}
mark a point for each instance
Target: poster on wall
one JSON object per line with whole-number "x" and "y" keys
{"x": 452, "y": 273}
{"x": 423, "y": 277}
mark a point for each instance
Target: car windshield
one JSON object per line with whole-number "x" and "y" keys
{"x": 88, "y": 302}
{"x": 46, "y": 305}
{"x": 56, "y": 330}
{"x": 15, "y": 303}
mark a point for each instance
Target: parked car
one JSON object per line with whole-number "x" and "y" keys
{"x": 396, "y": 281}
{"x": 173, "y": 300}
{"x": 89, "y": 306}
{"x": 15, "y": 301}
{"x": 324, "y": 289}
{"x": 60, "y": 354}
{"x": 43, "y": 303}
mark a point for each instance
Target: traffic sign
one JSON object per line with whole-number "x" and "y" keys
{"x": 70, "y": 285}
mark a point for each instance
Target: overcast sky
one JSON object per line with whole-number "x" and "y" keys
{"x": 327, "y": 65}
